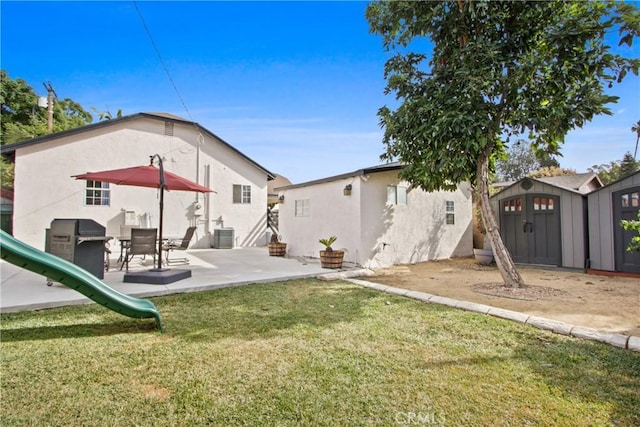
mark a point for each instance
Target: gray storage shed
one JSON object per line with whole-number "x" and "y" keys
{"x": 608, "y": 240}
{"x": 544, "y": 220}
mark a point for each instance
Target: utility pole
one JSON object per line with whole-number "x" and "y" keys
{"x": 50, "y": 94}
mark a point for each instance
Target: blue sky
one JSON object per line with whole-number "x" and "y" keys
{"x": 293, "y": 85}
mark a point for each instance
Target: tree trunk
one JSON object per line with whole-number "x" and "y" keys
{"x": 505, "y": 263}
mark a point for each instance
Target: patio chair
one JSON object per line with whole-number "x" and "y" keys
{"x": 124, "y": 239}
{"x": 178, "y": 245}
{"x": 143, "y": 242}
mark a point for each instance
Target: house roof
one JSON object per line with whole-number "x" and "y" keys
{"x": 11, "y": 148}
{"x": 278, "y": 181}
{"x": 578, "y": 182}
{"x": 360, "y": 172}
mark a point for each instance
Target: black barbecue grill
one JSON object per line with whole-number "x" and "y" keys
{"x": 80, "y": 241}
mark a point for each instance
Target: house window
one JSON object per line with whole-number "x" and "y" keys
{"x": 303, "y": 208}
{"x": 241, "y": 193}
{"x": 396, "y": 195}
{"x": 97, "y": 193}
{"x": 450, "y": 212}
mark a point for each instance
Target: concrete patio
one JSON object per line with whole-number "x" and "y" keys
{"x": 211, "y": 269}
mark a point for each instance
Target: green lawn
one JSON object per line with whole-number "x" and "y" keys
{"x": 305, "y": 353}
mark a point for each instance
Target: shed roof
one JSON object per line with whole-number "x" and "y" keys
{"x": 578, "y": 182}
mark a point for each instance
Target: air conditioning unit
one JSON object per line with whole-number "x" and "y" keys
{"x": 130, "y": 218}
{"x": 223, "y": 238}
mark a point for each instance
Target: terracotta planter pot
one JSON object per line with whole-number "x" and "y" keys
{"x": 277, "y": 249}
{"x": 331, "y": 259}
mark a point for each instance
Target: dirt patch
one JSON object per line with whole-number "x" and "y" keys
{"x": 600, "y": 302}
{"x": 527, "y": 293}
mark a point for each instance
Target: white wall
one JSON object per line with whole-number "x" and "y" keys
{"x": 44, "y": 189}
{"x": 373, "y": 233}
{"x": 331, "y": 214}
{"x": 417, "y": 231}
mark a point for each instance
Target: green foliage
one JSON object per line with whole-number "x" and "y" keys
{"x": 106, "y": 115}
{"x": 551, "y": 171}
{"x": 615, "y": 170}
{"x": 6, "y": 173}
{"x": 546, "y": 160}
{"x": 518, "y": 162}
{"x": 634, "y": 225}
{"x": 608, "y": 172}
{"x": 497, "y": 70}
{"x": 328, "y": 242}
{"x": 21, "y": 118}
{"x": 628, "y": 165}
{"x": 68, "y": 114}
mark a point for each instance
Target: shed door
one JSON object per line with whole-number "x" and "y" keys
{"x": 531, "y": 228}
{"x": 626, "y": 204}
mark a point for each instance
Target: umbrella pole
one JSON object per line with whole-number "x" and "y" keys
{"x": 162, "y": 185}
{"x": 160, "y": 227}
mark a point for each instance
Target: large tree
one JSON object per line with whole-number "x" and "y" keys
{"x": 614, "y": 170}
{"x": 636, "y": 129}
{"x": 21, "y": 118}
{"x": 497, "y": 70}
{"x": 519, "y": 161}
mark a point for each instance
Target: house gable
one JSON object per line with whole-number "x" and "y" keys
{"x": 106, "y": 124}
{"x": 187, "y": 150}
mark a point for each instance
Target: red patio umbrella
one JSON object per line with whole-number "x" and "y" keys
{"x": 147, "y": 176}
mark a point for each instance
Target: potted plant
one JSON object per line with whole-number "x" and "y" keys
{"x": 330, "y": 258}
{"x": 276, "y": 247}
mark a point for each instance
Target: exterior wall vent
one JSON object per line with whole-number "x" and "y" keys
{"x": 168, "y": 128}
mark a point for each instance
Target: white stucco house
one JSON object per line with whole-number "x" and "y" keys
{"x": 379, "y": 219}
{"x": 44, "y": 188}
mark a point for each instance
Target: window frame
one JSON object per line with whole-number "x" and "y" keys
{"x": 450, "y": 212}
{"x": 243, "y": 193}
{"x": 395, "y": 197}
{"x": 97, "y": 191}
{"x": 302, "y": 208}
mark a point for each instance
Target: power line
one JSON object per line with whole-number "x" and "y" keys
{"x": 164, "y": 65}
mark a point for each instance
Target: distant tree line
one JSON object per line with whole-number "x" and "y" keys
{"x": 520, "y": 160}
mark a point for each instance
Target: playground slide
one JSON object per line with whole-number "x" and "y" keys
{"x": 74, "y": 277}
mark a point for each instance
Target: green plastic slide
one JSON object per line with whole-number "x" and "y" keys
{"x": 74, "y": 277}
